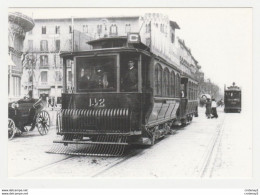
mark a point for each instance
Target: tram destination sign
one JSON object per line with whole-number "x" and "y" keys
{"x": 133, "y": 38}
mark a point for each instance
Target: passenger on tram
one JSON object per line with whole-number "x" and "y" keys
{"x": 84, "y": 79}
{"x": 101, "y": 78}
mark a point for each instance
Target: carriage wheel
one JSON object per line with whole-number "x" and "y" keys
{"x": 11, "y": 129}
{"x": 43, "y": 122}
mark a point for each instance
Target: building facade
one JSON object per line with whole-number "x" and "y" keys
{"x": 18, "y": 25}
{"x": 43, "y": 66}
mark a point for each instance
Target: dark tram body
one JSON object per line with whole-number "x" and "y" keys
{"x": 232, "y": 99}
{"x": 105, "y": 105}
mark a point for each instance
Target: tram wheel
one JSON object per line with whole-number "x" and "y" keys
{"x": 152, "y": 139}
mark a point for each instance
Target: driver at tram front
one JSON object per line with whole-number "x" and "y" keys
{"x": 131, "y": 78}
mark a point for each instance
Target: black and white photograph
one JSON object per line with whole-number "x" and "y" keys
{"x": 130, "y": 93}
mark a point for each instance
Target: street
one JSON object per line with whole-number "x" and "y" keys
{"x": 206, "y": 148}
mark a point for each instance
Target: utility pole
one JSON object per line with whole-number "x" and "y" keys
{"x": 32, "y": 77}
{"x": 72, "y": 33}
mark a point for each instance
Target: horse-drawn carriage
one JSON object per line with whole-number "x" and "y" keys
{"x": 26, "y": 114}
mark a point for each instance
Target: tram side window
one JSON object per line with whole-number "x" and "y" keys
{"x": 172, "y": 84}
{"x": 96, "y": 74}
{"x": 158, "y": 79}
{"x": 177, "y": 88}
{"x": 166, "y": 85}
{"x": 191, "y": 95}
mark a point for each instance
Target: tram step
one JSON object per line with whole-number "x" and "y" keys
{"x": 102, "y": 146}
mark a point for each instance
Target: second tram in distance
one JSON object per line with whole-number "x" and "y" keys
{"x": 232, "y": 99}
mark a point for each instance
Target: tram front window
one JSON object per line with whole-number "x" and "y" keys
{"x": 233, "y": 95}
{"x": 96, "y": 74}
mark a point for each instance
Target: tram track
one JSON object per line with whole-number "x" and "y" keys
{"x": 103, "y": 168}
{"x": 43, "y": 167}
{"x": 132, "y": 154}
{"x": 104, "y": 164}
{"x": 207, "y": 163}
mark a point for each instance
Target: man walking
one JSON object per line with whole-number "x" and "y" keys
{"x": 208, "y": 108}
{"x": 214, "y": 108}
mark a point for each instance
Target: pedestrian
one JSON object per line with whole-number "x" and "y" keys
{"x": 52, "y": 103}
{"x": 208, "y": 108}
{"x": 49, "y": 102}
{"x": 221, "y": 102}
{"x": 214, "y": 108}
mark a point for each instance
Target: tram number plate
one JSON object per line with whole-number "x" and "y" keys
{"x": 96, "y": 102}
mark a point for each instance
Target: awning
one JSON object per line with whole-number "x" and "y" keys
{"x": 10, "y": 61}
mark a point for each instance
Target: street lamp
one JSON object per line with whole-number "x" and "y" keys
{"x": 31, "y": 62}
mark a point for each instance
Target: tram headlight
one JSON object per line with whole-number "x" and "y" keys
{"x": 15, "y": 105}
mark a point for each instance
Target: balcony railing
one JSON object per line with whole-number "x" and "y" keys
{"x": 58, "y": 83}
{"x": 44, "y": 83}
{"x": 44, "y": 66}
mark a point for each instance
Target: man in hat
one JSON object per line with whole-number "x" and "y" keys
{"x": 131, "y": 77}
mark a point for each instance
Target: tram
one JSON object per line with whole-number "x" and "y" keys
{"x": 120, "y": 94}
{"x": 232, "y": 99}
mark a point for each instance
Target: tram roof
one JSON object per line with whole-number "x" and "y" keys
{"x": 106, "y": 39}
{"x": 103, "y": 50}
{"x": 233, "y": 89}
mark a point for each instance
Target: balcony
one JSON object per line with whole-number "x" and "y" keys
{"x": 56, "y": 83}
{"x": 44, "y": 66}
{"x": 43, "y": 85}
